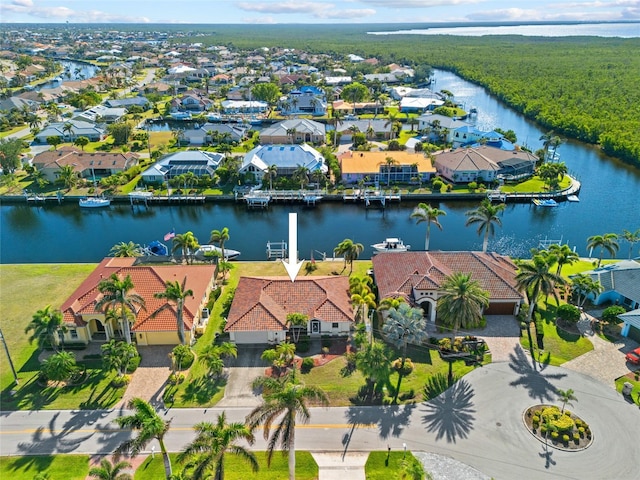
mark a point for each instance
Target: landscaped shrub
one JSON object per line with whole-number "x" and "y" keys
{"x": 610, "y": 314}
{"x": 555, "y": 435}
{"x": 565, "y": 438}
{"x": 576, "y": 437}
{"x": 564, "y": 423}
{"x": 307, "y": 364}
{"x": 445, "y": 343}
{"x": 176, "y": 378}
{"x": 405, "y": 369}
{"x": 134, "y": 363}
{"x": 535, "y": 419}
{"x": 182, "y": 357}
{"x": 119, "y": 382}
{"x": 303, "y": 345}
{"x": 568, "y": 313}
{"x": 472, "y": 186}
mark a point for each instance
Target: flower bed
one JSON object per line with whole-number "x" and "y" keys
{"x": 562, "y": 430}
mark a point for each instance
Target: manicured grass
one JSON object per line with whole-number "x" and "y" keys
{"x": 635, "y": 392}
{"x": 6, "y": 133}
{"x": 237, "y": 469}
{"x": 24, "y": 289}
{"x": 583, "y": 266}
{"x": 559, "y": 346}
{"x": 534, "y": 184}
{"x": 69, "y": 467}
{"x": 385, "y": 465}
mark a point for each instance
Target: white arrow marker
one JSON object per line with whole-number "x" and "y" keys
{"x": 293, "y": 266}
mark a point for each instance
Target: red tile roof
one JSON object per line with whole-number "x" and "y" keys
{"x": 402, "y": 272}
{"x": 147, "y": 281}
{"x": 264, "y": 303}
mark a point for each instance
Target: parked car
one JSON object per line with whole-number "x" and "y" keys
{"x": 633, "y": 356}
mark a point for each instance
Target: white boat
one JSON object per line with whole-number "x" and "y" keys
{"x": 94, "y": 202}
{"x": 390, "y": 245}
{"x": 209, "y": 249}
{"x": 548, "y": 202}
{"x": 573, "y": 198}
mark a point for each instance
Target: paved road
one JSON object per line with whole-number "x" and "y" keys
{"x": 477, "y": 422}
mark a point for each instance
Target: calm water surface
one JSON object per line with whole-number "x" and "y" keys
{"x": 609, "y": 203}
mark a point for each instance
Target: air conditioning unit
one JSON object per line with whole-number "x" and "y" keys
{"x": 205, "y": 313}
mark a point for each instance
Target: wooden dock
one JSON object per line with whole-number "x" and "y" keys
{"x": 276, "y": 250}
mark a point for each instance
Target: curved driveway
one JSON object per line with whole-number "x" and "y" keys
{"x": 477, "y": 421}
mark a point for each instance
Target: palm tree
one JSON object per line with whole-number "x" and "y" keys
{"x": 608, "y": 242}
{"x": 563, "y": 255}
{"x": 111, "y": 471}
{"x": 68, "y": 176}
{"x": 546, "y": 142}
{"x": 426, "y": 213}
{"x": 404, "y": 325}
{"x": 291, "y": 133}
{"x": 207, "y": 452}
{"x": 582, "y": 285}
{"x": 486, "y": 216}
{"x": 349, "y": 250}
{"x": 388, "y": 163}
{"x": 461, "y": 302}
{"x": 632, "y": 238}
{"x": 175, "y": 294}
{"x": 362, "y": 297}
{"x": 390, "y": 302}
{"x": 272, "y": 172}
{"x": 220, "y": 237}
{"x": 128, "y": 249}
{"x": 46, "y": 324}
{"x": 374, "y": 362}
{"x": 187, "y": 243}
{"x": 67, "y": 129}
{"x": 337, "y": 120}
{"x": 392, "y": 118}
{"x": 149, "y": 425}
{"x": 297, "y": 322}
{"x": 301, "y": 175}
{"x": 59, "y": 367}
{"x": 117, "y": 294}
{"x": 284, "y": 400}
{"x": 212, "y": 356}
{"x": 535, "y": 278}
{"x": 566, "y": 397}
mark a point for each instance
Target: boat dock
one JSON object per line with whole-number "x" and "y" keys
{"x": 276, "y": 250}
{"x": 371, "y": 198}
{"x": 262, "y": 198}
{"x": 35, "y": 199}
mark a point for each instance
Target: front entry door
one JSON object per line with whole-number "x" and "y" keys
{"x": 315, "y": 327}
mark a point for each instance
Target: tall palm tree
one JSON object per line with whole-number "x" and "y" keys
{"x": 582, "y": 285}
{"x": 337, "y": 120}
{"x": 67, "y": 129}
{"x": 68, "y": 176}
{"x": 461, "y": 302}
{"x": 220, "y": 237}
{"x": 546, "y": 141}
{"x": 374, "y": 362}
{"x": 404, "y": 325}
{"x": 392, "y": 118}
{"x": 388, "y": 163}
{"x": 272, "y": 172}
{"x": 426, "y": 213}
{"x": 149, "y": 425}
{"x": 486, "y": 216}
{"x": 563, "y": 255}
{"x": 301, "y": 175}
{"x": 187, "y": 243}
{"x": 390, "y": 302}
{"x": 111, "y": 471}
{"x": 118, "y": 293}
{"x": 291, "y": 133}
{"x": 535, "y": 278}
{"x": 349, "y": 250}
{"x": 608, "y": 242}
{"x": 126, "y": 249}
{"x": 213, "y": 441}
{"x": 175, "y": 294}
{"x": 632, "y": 238}
{"x": 46, "y": 324}
{"x": 284, "y": 400}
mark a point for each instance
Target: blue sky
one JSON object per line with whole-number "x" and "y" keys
{"x": 316, "y": 11}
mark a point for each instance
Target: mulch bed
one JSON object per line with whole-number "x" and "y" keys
{"x": 572, "y": 445}
{"x": 568, "y": 326}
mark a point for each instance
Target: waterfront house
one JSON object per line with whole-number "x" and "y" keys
{"x": 258, "y": 314}
{"x": 94, "y": 132}
{"x": 101, "y": 114}
{"x": 244, "y": 106}
{"x": 206, "y": 134}
{"x": 440, "y": 126}
{"x": 127, "y": 103}
{"x": 191, "y": 103}
{"x": 308, "y": 100}
{"x": 484, "y": 164}
{"x": 418, "y": 277}
{"x": 294, "y": 131}
{"x": 197, "y": 162}
{"x": 372, "y": 167}
{"x": 86, "y": 324}
{"x": 286, "y": 158}
{"x": 376, "y": 129}
{"x": 89, "y": 165}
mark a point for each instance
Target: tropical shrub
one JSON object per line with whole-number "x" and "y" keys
{"x": 568, "y": 313}
{"x": 307, "y": 364}
{"x": 182, "y": 357}
{"x": 405, "y": 369}
{"x": 610, "y": 314}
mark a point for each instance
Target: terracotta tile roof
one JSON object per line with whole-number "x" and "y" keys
{"x": 147, "y": 281}
{"x": 401, "y": 272}
{"x": 264, "y": 303}
{"x": 84, "y": 160}
{"x": 358, "y": 162}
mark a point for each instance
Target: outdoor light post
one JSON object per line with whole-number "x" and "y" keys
{"x": 404, "y": 446}
{"x": 6, "y": 349}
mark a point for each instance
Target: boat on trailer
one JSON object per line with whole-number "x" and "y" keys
{"x": 391, "y": 244}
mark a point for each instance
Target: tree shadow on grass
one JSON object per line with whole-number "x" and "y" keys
{"x": 202, "y": 390}
{"x": 450, "y": 414}
{"x": 532, "y": 376}
{"x": 29, "y": 395}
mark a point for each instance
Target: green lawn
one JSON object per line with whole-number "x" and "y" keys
{"x": 385, "y": 465}
{"x": 635, "y": 393}
{"x": 534, "y": 184}
{"x": 237, "y": 469}
{"x": 559, "y": 346}
{"x": 69, "y": 467}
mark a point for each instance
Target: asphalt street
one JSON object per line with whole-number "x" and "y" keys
{"x": 478, "y": 421}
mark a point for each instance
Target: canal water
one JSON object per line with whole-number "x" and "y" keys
{"x": 609, "y": 202}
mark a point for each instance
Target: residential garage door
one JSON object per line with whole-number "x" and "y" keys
{"x": 500, "y": 309}
{"x": 634, "y": 333}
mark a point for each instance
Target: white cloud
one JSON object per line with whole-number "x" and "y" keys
{"x": 26, "y": 7}
{"x": 419, "y": 3}
{"x": 23, "y": 3}
{"x": 312, "y": 9}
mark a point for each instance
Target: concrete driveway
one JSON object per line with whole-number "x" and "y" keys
{"x": 242, "y": 371}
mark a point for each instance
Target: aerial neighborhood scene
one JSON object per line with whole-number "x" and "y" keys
{"x": 391, "y": 240}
